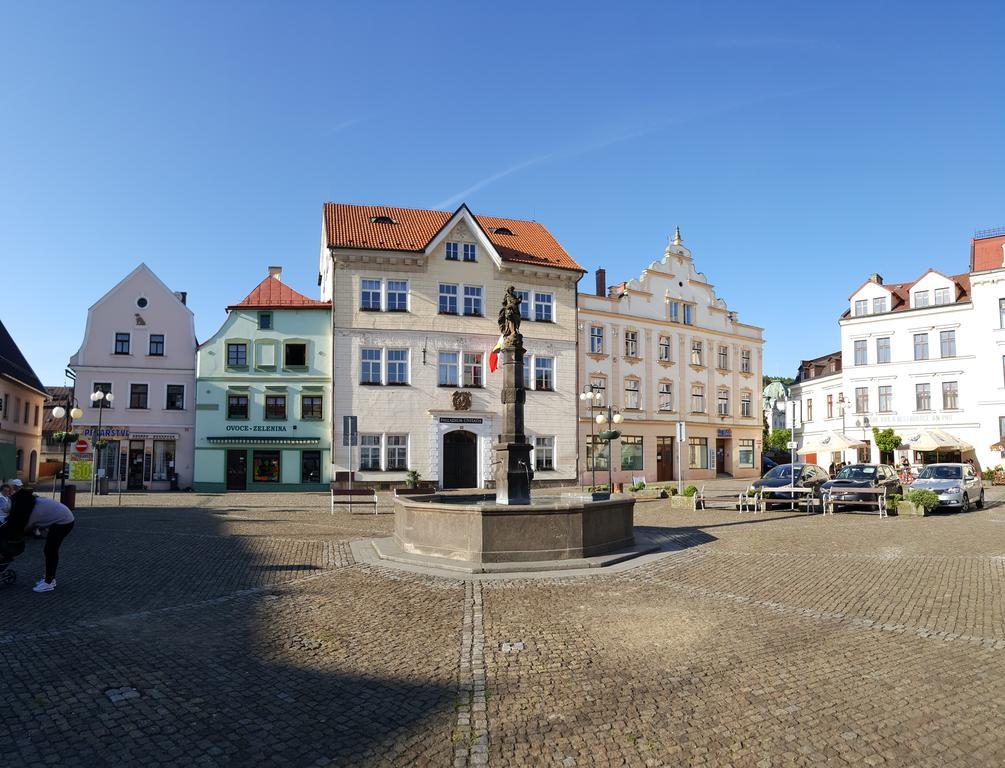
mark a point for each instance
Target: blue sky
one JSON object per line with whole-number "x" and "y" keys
{"x": 799, "y": 146}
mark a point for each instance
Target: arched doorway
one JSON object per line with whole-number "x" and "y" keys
{"x": 33, "y": 467}
{"x": 460, "y": 459}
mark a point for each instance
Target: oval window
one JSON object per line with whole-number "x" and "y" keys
{"x": 141, "y": 302}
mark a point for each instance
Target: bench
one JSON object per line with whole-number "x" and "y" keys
{"x": 356, "y": 495}
{"x": 879, "y": 501}
{"x": 798, "y": 497}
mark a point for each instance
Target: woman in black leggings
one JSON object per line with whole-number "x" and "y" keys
{"x": 49, "y": 513}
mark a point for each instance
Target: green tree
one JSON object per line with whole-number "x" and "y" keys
{"x": 886, "y": 440}
{"x": 778, "y": 439}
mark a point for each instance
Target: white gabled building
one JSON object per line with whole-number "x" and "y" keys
{"x": 925, "y": 354}
{"x": 415, "y": 296}
{"x": 139, "y": 345}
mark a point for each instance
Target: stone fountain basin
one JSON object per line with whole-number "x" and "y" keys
{"x": 473, "y": 527}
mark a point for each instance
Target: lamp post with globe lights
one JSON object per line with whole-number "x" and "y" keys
{"x": 70, "y": 412}
{"x": 610, "y": 434}
{"x": 593, "y": 397}
{"x": 99, "y": 399}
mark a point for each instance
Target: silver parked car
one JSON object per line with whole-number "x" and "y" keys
{"x": 957, "y": 485}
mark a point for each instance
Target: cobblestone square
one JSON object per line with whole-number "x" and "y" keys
{"x": 238, "y": 630}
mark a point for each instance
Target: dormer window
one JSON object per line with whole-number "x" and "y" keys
{"x": 382, "y": 220}
{"x": 861, "y": 307}
{"x": 941, "y": 296}
{"x": 879, "y": 305}
{"x": 921, "y": 298}
{"x": 501, "y": 231}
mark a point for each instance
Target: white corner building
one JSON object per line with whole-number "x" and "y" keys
{"x": 927, "y": 354}
{"x": 139, "y": 345}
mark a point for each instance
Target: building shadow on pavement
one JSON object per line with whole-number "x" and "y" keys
{"x": 188, "y": 644}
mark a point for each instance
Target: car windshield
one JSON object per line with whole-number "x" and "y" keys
{"x": 941, "y": 473}
{"x": 857, "y": 472}
{"x": 783, "y": 471}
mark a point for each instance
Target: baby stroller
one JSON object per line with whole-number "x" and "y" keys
{"x": 9, "y": 550}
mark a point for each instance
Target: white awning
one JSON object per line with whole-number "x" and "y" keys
{"x": 829, "y": 441}
{"x": 936, "y": 440}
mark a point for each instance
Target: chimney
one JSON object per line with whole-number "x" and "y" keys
{"x": 276, "y": 272}
{"x": 182, "y": 296}
{"x": 876, "y": 278}
{"x": 601, "y": 282}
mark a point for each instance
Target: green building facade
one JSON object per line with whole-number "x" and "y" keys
{"x": 263, "y": 395}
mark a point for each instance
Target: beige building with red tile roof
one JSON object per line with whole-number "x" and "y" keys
{"x": 415, "y": 296}
{"x": 21, "y": 400}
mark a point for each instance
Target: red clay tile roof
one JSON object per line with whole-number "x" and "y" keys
{"x": 272, "y": 293}
{"x": 352, "y": 226}
{"x": 986, "y": 253}
{"x": 901, "y": 292}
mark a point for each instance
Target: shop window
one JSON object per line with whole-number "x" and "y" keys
{"x": 631, "y": 453}
{"x": 265, "y": 466}
{"x": 163, "y": 459}
{"x": 295, "y": 354}
{"x": 310, "y": 467}
{"x": 597, "y": 454}
{"x": 745, "y": 456}
{"x": 697, "y": 452}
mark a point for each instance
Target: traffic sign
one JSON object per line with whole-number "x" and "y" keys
{"x": 791, "y": 444}
{"x": 350, "y": 436}
{"x": 81, "y": 445}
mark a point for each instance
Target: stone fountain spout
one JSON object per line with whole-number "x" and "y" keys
{"x": 513, "y": 471}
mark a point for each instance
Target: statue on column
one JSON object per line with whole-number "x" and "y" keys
{"x": 509, "y": 314}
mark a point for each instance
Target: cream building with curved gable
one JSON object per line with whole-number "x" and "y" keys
{"x": 665, "y": 350}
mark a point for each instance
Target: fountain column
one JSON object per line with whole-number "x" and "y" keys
{"x": 513, "y": 469}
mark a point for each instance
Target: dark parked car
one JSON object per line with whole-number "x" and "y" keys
{"x": 863, "y": 476}
{"x": 806, "y": 476}
{"x": 767, "y": 463}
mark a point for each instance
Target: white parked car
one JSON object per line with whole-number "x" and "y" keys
{"x": 957, "y": 485}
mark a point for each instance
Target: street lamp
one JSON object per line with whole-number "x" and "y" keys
{"x": 591, "y": 395}
{"x": 70, "y": 413}
{"x": 611, "y": 417}
{"x": 97, "y": 398}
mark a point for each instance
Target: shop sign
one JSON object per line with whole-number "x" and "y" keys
{"x": 106, "y": 432}
{"x": 134, "y": 436}
{"x": 460, "y": 420}
{"x": 727, "y": 432}
{"x": 256, "y": 428}
{"x": 80, "y": 466}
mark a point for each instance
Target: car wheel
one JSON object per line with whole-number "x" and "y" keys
{"x": 966, "y": 503}
{"x": 980, "y": 501}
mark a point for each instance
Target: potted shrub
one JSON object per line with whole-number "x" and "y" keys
{"x": 919, "y": 502}
{"x": 892, "y": 501}
{"x": 636, "y": 487}
{"x": 412, "y": 478}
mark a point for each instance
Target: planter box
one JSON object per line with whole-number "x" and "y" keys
{"x": 906, "y": 508}
{"x": 682, "y": 502}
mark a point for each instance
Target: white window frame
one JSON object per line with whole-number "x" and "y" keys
{"x": 370, "y": 291}
{"x": 456, "y": 365}
{"x": 388, "y": 292}
{"x": 365, "y": 364}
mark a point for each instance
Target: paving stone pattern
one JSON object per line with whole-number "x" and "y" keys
{"x": 210, "y": 630}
